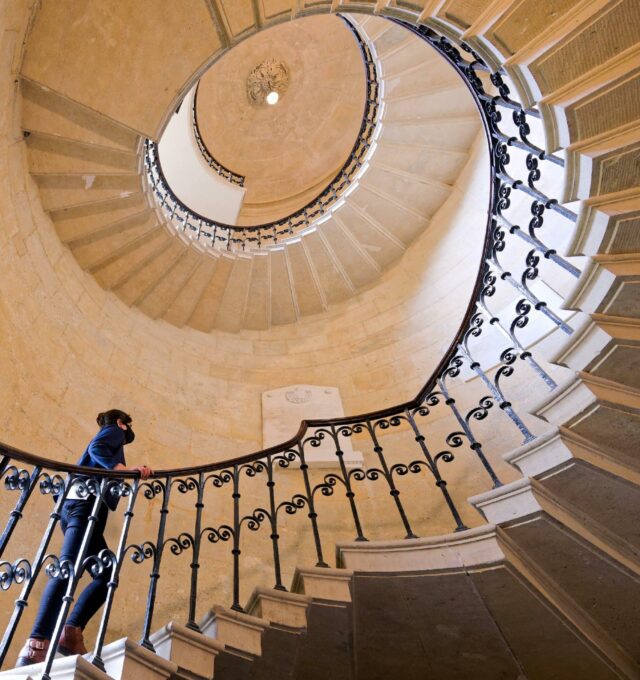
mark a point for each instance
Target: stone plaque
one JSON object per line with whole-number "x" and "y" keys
{"x": 285, "y": 407}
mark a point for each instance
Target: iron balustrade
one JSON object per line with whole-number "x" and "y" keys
{"x": 215, "y": 165}
{"x": 225, "y": 510}
{"x": 220, "y": 235}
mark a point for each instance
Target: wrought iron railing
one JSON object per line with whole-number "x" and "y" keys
{"x": 215, "y": 165}
{"x": 220, "y": 235}
{"x": 221, "y": 514}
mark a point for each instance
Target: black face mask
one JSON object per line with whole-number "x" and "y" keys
{"x": 129, "y": 435}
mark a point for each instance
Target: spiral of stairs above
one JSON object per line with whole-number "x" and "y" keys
{"x": 91, "y": 179}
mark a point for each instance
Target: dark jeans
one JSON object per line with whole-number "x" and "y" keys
{"x": 73, "y": 521}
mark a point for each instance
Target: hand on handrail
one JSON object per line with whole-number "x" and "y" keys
{"x": 144, "y": 470}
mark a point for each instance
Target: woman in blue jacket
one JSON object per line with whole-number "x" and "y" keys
{"x": 105, "y": 451}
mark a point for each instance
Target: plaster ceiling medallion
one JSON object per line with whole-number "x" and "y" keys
{"x": 269, "y": 77}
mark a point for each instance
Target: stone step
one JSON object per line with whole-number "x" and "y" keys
{"x": 453, "y": 98}
{"x": 283, "y": 307}
{"x": 334, "y": 281}
{"x": 133, "y": 289}
{"x": 609, "y": 225}
{"x": 46, "y": 111}
{"x": 354, "y": 260}
{"x": 378, "y": 199}
{"x": 122, "y": 659}
{"x": 87, "y": 218}
{"x": 579, "y": 569}
{"x": 94, "y": 248}
{"x": 157, "y": 302}
{"x": 187, "y": 298}
{"x": 129, "y": 259}
{"x": 382, "y": 245}
{"x": 257, "y": 312}
{"x": 58, "y": 191}
{"x": 203, "y": 315}
{"x": 456, "y": 134}
{"x": 56, "y": 154}
{"x": 421, "y": 161}
{"x": 308, "y": 295}
{"x": 391, "y": 40}
{"x": 471, "y": 584}
{"x": 233, "y": 297}
{"x": 412, "y": 57}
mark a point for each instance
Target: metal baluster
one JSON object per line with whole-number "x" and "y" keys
{"x": 474, "y": 444}
{"x": 525, "y": 354}
{"x": 155, "y": 571}
{"x": 313, "y": 515}
{"x": 538, "y": 305}
{"x": 273, "y": 517}
{"x": 26, "y": 486}
{"x": 36, "y": 565}
{"x": 433, "y": 466}
{"x": 550, "y": 203}
{"x": 195, "y": 564}
{"x": 497, "y": 392}
{"x": 112, "y": 585}
{"x": 548, "y": 253}
{"x": 528, "y": 146}
{"x": 75, "y": 574}
{"x": 236, "y": 540}
{"x": 347, "y": 482}
{"x": 393, "y": 491}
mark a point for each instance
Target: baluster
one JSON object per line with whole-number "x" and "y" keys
{"x": 520, "y": 321}
{"x": 548, "y": 253}
{"x": 195, "y": 564}
{"x": 538, "y": 305}
{"x": 157, "y": 558}
{"x": 493, "y": 385}
{"x": 26, "y": 484}
{"x": 57, "y": 485}
{"x": 112, "y": 585}
{"x": 347, "y": 482}
{"x": 312, "y": 514}
{"x": 433, "y": 466}
{"x": 393, "y": 491}
{"x": 474, "y": 444}
{"x": 550, "y": 203}
{"x": 273, "y": 517}
{"x": 236, "y": 539}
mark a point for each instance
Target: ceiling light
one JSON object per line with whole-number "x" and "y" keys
{"x": 272, "y": 98}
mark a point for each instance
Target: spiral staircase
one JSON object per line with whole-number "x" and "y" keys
{"x": 92, "y": 184}
{"x": 549, "y": 585}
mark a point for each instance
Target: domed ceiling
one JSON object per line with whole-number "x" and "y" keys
{"x": 289, "y": 151}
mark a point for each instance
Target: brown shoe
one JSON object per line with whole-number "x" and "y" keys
{"x": 34, "y": 651}
{"x": 71, "y": 641}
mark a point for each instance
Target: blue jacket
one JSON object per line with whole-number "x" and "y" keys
{"x": 105, "y": 451}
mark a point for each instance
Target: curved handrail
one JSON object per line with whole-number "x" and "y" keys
{"x": 216, "y": 166}
{"x": 215, "y": 232}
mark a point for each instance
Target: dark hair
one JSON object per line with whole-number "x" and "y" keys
{"x": 110, "y": 417}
